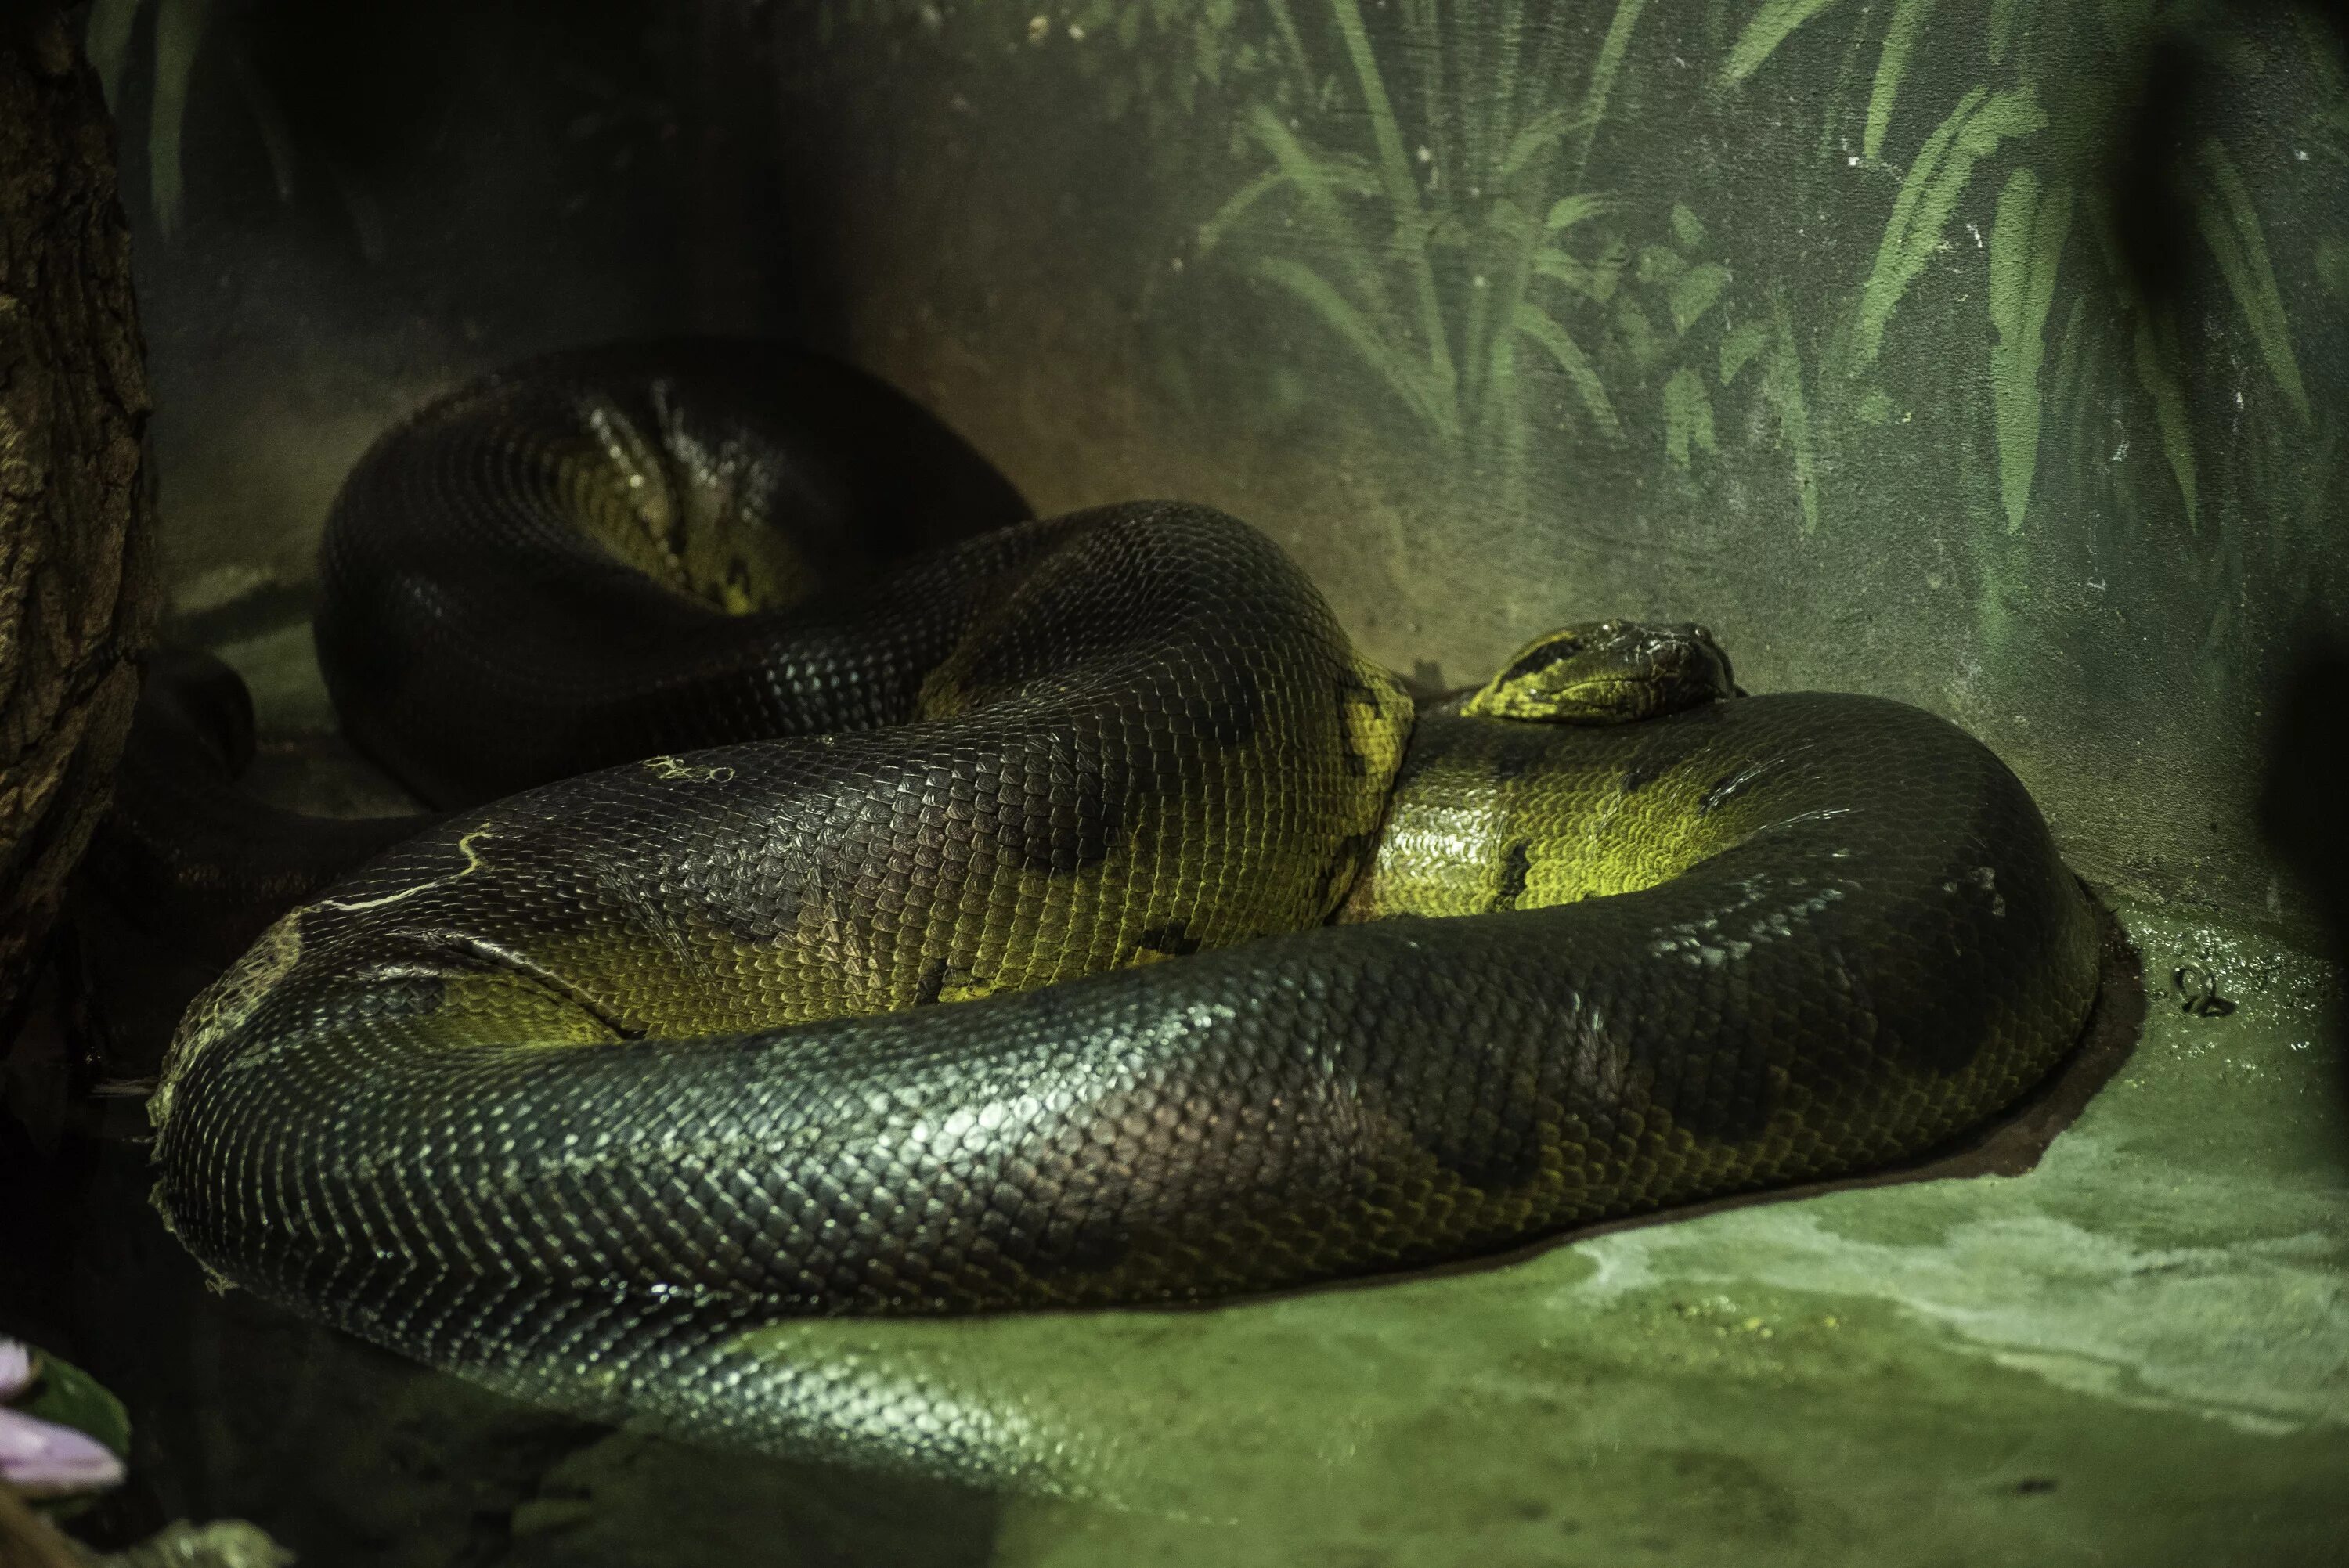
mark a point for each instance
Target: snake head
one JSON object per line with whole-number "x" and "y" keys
{"x": 1608, "y": 671}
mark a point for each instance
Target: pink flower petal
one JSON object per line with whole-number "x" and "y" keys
{"x": 16, "y": 1367}
{"x": 43, "y": 1459}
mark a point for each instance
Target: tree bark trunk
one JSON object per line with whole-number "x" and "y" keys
{"x": 77, "y": 591}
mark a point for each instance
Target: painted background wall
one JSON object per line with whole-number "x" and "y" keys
{"x": 1827, "y": 323}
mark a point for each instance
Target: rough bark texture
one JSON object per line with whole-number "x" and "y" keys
{"x": 78, "y": 596}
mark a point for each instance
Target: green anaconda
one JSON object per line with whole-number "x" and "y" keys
{"x": 1075, "y": 917}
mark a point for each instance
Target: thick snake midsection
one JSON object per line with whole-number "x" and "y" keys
{"x": 1020, "y": 990}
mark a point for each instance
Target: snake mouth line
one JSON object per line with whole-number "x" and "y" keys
{"x": 505, "y": 960}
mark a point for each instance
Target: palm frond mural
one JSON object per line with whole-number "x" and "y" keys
{"x": 1436, "y": 226}
{"x": 1439, "y": 228}
{"x": 179, "y": 28}
{"x": 1424, "y": 198}
{"x": 178, "y": 37}
{"x": 1829, "y": 319}
{"x": 1436, "y": 221}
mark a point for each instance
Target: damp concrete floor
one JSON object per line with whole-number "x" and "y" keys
{"x": 2136, "y": 1353}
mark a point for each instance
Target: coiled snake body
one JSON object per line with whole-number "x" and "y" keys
{"x": 1071, "y": 945}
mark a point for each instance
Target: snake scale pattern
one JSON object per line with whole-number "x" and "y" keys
{"x": 836, "y": 916}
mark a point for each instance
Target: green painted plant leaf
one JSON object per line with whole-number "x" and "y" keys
{"x": 1291, "y": 43}
{"x": 1501, "y": 371}
{"x": 2026, "y": 246}
{"x": 1451, "y": 231}
{"x": 276, "y": 137}
{"x": 1648, "y": 348}
{"x": 1208, "y": 52}
{"x": 1602, "y": 74}
{"x": 1909, "y": 18}
{"x": 1537, "y": 324}
{"x": 1661, "y": 263}
{"x": 2080, "y": 398}
{"x": 1892, "y": 248}
{"x": 2231, "y": 227}
{"x": 1332, "y": 172}
{"x": 2333, "y": 266}
{"x": 1687, "y": 418}
{"x": 2002, "y": 16}
{"x": 1694, "y": 292}
{"x": 1738, "y": 347}
{"x": 1511, "y": 222}
{"x": 1782, "y": 384}
{"x": 1403, "y": 198}
{"x": 1401, "y": 372}
{"x": 105, "y": 38}
{"x": 2156, "y": 372}
{"x": 1592, "y": 280}
{"x": 1687, "y": 227}
{"x": 2157, "y": 361}
{"x": 1581, "y": 207}
{"x": 1211, "y": 232}
{"x": 1318, "y": 181}
{"x": 180, "y": 28}
{"x": 1768, "y": 27}
{"x": 1544, "y": 131}
{"x": 1943, "y": 169}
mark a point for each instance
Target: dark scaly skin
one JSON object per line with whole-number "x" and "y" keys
{"x": 578, "y": 1090}
{"x": 519, "y": 585}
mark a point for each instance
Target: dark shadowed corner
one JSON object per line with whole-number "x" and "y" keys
{"x": 2300, "y": 797}
{"x": 2306, "y": 753}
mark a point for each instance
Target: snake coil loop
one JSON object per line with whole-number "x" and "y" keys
{"x": 960, "y": 937}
